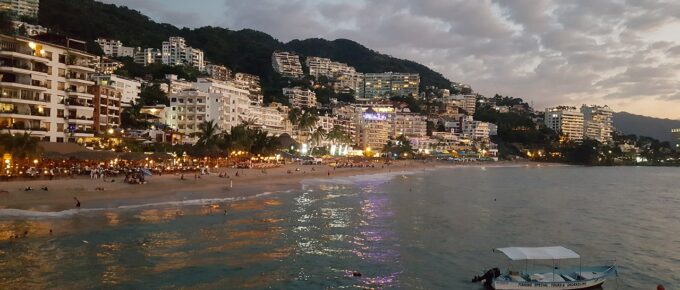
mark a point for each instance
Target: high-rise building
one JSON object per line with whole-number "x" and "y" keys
{"x": 128, "y": 88}
{"x": 598, "y": 123}
{"x": 218, "y": 72}
{"x": 567, "y": 121}
{"x": 408, "y": 124}
{"x": 107, "y": 107}
{"x": 45, "y": 88}
{"x": 373, "y": 129}
{"x": 676, "y": 135}
{"x": 175, "y": 51}
{"x": 300, "y": 98}
{"x": 389, "y": 84}
{"x": 148, "y": 56}
{"x": 115, "y": 48}
{"x": 287, "y": 64}
{"x": 19, "y": 8}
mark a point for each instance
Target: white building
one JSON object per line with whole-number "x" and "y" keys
{"x": 31, "y": 29}
{"x": 235, "y": 102}
{"x": 388, "y": 84}
{"x": 373, "y": 130}
{"x": 269, "y": 119}
{"x": 115, "y": 48}
{"x": 465, "y": 102}
{"x": 148, "y": 56}
{"x": 287, "y": 64}
{"x": 218, "y": 72}
{"x": 319, "y": 66}
{"x": 598, "y": 123}
{"x": 129, "y": 89}
{"x": 28, "y": 8}
{"x": 175, "y": 51}
{"x": 45, "y": 88}
{"x": 300, "y": 98}
{"x": 565, "y": 120}
{"x": 408, "y": 124}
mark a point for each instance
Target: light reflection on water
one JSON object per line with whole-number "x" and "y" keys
{"x": 429, "y": 231}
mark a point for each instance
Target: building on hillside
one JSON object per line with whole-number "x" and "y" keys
{"x": 175, "y": 51}
{"x": 28, "y": 28}
{"x": 148, "y": 56}
{"x": 107, "y": 66}
{"x": 107, "y": 107}
{"x": 598, "y": 123}
{"x": 676, "y": 136}
{"x": 176, "y": 85}
{"x": 218, "y": 72}
{"x": 115, "y": 48}
{"x": 567, "y": 121}
{"x": 287, "y": 64}
{"x": 389, "y": 84}
{"x": 300, "y": 98}
{"x": 235, "y": 103}
{"x": 129, "y": 89}
{"x": 408, "y": 124}
{"x": 248, "y": 82}
{"x": 467, "y": 103}
{"x": 21, "y": 8}
{"x": 468, "y": 128}
{"x": 319, "y": 66}
{"x": 45, "y": 88}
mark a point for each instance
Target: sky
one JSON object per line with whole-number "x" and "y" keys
{"x": 621, "y": 53}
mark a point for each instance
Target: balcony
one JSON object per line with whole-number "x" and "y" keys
{"x": 79, "y": 79}
{"x": 26, "y": 85}
{"x": 78, "y": 104}
{"x": 24, "y": 97}
{"x": 79, "y": 65}
{"x": 21, "y": 50}
{"x": 18, "y": 67}
{"x": 32, "y": 113}
{"x": 79, "y": 93}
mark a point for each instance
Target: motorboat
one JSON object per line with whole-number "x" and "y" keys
{"x": 555, "y": 277}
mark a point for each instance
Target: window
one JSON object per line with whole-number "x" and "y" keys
{"x": 173, "y": 100}
{"x": 62, "y": 58}
{"x": 60, "y": 139}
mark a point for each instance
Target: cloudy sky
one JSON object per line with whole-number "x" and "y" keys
{"x": 622, "y": 53}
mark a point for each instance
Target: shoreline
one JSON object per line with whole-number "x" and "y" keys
{"x": 170, "y": 189}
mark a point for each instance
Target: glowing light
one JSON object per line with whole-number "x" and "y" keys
{"x": 32, "y": 45}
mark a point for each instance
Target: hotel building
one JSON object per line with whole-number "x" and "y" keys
{"x": 175, "y": 51}
{"x": 300, "y": 98}
{"x": 115, "y": 48}
{"x": 44, "y": 88}
{"x": 129, "y": 89}
{"x": 598, "y": 123}
{"x": 287, "y": 64}
{"x": 218, "y": 72}
{"x": 567, "y": 121}
{"x": 148, "y": 56}
{"x": 389, "y": 84}
{"x": 27, "y": 8}
{"x": 107, "y": 107}
{"x": 409, "y": 125}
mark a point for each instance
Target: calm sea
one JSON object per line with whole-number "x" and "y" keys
{"x": 425, "y": 230}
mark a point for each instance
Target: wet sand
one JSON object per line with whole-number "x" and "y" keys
{"x": 170, "y": 187}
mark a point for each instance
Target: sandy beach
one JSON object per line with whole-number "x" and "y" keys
{"x": 170, "y": 187}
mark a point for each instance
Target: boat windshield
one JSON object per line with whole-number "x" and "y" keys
{"x": 538, "y": 253}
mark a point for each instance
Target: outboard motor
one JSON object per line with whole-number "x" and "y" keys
{"x": 488, "y": 277}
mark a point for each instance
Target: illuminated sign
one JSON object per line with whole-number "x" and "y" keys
{"x": 374, "y": 116}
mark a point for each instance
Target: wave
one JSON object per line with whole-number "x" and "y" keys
{"x": 6, "y": 213}
{"x": 362, "y": 178}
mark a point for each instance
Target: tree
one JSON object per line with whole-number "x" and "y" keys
{"x": 152, "y": 95}
{"x": 400, "y": 147}
{"x": 337, "y": 134}
{"x": 208, "y": 134}
{"x": 294, "y": 116}
{"x": 21, "y": 146}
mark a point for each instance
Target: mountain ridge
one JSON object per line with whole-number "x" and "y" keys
{"x": 658, "y": 128}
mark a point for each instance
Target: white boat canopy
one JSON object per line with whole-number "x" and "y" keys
{"x": 538, "y": 253}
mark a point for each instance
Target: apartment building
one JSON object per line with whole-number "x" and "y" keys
{"x": 320, "y": 66}
{"x": 30, "y": 29}
{"x": 175, "y": 51}
{"x": 21, "y": 8}
{"x": 208, "y": 100}
{"x": 44, "y": 88}
{"x": 287, "y": 64}
{"x": 148, "y": 56}
{"x": 598, "y": 123}
{"x": 565, "y": 120}
{"x": 466, "y": 102}
{"x": 300, "y": 98}
{"x": 676, "y": 135}
{"x": 373, "y": 129}
{"x": 218, "y": 72}
{"x": 269, "y": 119}
{"x": 115, "y": 48}
{"x": 408, "y": 124}
{"x": 389, "y": 84}
{"x": 107, "y": 107}
{"x": 129, "y": 89}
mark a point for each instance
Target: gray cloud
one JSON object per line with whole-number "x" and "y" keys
{"x": 552, "y": 52}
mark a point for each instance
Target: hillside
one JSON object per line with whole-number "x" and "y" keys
{"x": 245, "y": 50}
{"x": 645, "y": 126}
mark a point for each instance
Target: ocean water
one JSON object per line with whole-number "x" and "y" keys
{"x": 430, "y": 229}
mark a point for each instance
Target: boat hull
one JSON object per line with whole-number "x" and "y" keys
{"x": 512, "y": 285}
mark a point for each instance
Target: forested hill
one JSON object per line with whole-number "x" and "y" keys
{"x": 244, "y": 50}
{"x": 645, "y": 126}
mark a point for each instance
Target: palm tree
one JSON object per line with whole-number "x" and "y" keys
{"x": 294, "y": 116}
{"x": 308, "y": 120}
{"x": 208, "y": 133}
{"x": 337, "y": 134}
{"x": 20, "y": 146}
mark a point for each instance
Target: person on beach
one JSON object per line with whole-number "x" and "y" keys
{"x": 77, "y": 202}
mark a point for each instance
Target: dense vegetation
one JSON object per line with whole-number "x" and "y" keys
{"x": 245, "y": 50}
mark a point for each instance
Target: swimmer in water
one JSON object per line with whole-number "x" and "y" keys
{"x": 77, "y": 202}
